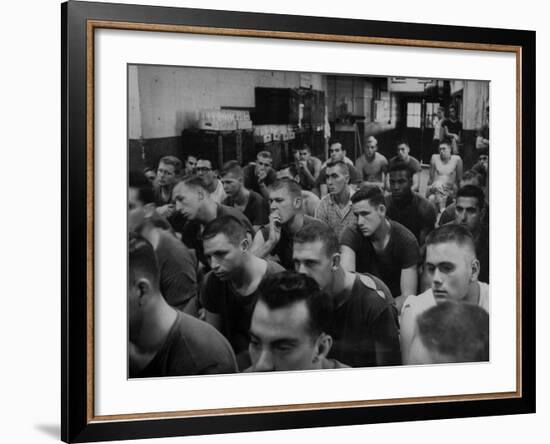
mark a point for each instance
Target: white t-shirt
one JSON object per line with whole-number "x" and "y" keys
{"x": 414, "y": 306}
{"x": 219, "y": 193}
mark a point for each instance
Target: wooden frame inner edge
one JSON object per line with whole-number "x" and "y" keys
{"x": 90, "y": 28}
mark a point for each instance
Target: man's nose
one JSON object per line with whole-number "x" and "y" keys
{"x": 265, "y": 362}
{"x": 437, "y": 277}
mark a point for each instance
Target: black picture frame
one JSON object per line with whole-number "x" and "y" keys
{"x": 77, "y": 422}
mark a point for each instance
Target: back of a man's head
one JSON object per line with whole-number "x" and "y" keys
{"x": 144, "y": 188}
{"x": 451, "y": 233}
{"x": 232, "y": 168}
{"x": 193, "y": 182}
{"x": 372, "y": 194}
{"x": 455, "y": 332}
{"x": 286, "y": 288}
{"x": 293, "y": 188}
{"x": 318, "y": 231}
{"x": 142, "y": 261}
{"x": 229, "y": 226}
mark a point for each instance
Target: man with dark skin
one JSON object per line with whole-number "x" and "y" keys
{"x": 410, "y": 209}
{"x": 412, "y": 163}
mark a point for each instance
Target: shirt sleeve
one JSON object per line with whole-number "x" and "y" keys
{"x": 386, "y": 338}
{"x": 350, "y": 238}
{"x": 408, "y": 249}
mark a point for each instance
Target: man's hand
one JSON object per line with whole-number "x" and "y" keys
{"x": 262, "y": 174}
{"x": 303, "y": 164}
{"x": 274, "y": 228}
{"x": 166, "y": 210}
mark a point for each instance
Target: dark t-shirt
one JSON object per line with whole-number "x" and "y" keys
{"x": 453, "y": 127}
{"x": 415, "y": 213}
{"x": 284, "y": 247}
{"x": 256, "y": 210}
{"x": 192, "y": 231}
{"x": 251, "y": 180}
{"x": 402, "y": 251}
{"x": 192, "y": 347}
{"x": 364, "y": 327}
{"x": 235, "y": 310}
{"x": 412, "y": 163}
{"x": 178, "y": 271}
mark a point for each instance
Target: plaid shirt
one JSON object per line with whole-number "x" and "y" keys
{"x": 337, "y": 218}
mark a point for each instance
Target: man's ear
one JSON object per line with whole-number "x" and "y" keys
{"x": 144, "y": 289}
{"x": 245, "y": 244}
{"x": 322, "y": 347}
{"x": 335, "y": 261}
{"x": 298, "y": 203}
{"x": 382, "y": 209}
{"x": 476, "y": 267}
{"x": 200, "y": 194}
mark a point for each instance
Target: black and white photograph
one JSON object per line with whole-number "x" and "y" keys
{"x": 291, "y": 221}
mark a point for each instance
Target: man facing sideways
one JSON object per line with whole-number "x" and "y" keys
{"x": 310, "y": 200}
{"x": 195, "y": 204}
{"x": 210, "y": 181}
{"x": 163, "y": 341}
{"x": 336, "y": 153}
{"x": 380, "y": 246}
{"x": 335, "y": 208}
{"x": 177, "y": 264}
{"x": 405, "y": 206}
{"x": 289, "y": 326}
{"x": 470, "y": 212}
{"x": 168, "y": 171}
{"x": 250, "y": 203}
{"x": 371, "y": 164}
{"x": 412, "y": 164}
{"x": 451, "y": 332}
{"x": 260, "y": 175}
{"x": 231, "y": 288}
{"x": 285, "y": 219}
{"x": 363, "y": 326}
{"x": 452, "y": 269}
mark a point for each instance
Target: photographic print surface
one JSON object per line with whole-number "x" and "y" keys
{"x": 284, "y": 221}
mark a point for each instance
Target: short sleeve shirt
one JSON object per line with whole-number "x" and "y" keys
{"x": 416, "y": 214}
{"x": 178, "y": 270}
{"x": 364, "y": 328}
{"x": 284, "y": 247}
{"x": 192, "y": 347}
{"x": 401, "y": 252}
{"x": 235, "y": 310}
{"x": 453, "y": 127}
{"x": 256, "y": 210}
